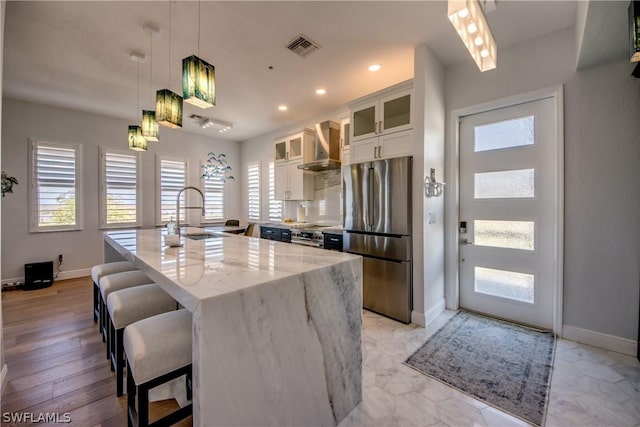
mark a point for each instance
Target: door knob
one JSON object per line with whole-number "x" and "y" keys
{"x": 465, "y": 242}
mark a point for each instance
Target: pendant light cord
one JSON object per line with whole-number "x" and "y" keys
{"x": 198, "y": 28}
{"x": 151, "y": 65}
{"x": 169, "y": 43}
{"x": 138, "y": 86}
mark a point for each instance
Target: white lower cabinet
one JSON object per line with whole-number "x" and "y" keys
{"x": 292, "y": 183}
{"x": 387, "y": 146}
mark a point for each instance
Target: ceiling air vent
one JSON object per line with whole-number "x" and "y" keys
{"x": 302, "y": 45}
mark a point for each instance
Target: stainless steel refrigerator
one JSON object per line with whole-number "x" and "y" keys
{"x": 377, "y": 222}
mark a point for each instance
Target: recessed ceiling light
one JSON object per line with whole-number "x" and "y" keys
{"x": 321, "y": 91}
{"x": 283, "y": 107}
{"x": 374, "y": 67}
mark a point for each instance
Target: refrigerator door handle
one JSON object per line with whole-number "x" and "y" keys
{"x": 370, "y": 197}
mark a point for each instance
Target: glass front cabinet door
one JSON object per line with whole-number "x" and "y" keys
{"x": 395, "y": 113}
{"x": 364, "y": 121}
{"x": 281, "y": 150}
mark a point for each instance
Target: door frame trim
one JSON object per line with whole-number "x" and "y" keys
{"x": 452, "y": 195}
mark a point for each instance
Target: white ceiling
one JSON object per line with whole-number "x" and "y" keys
{"x": 76, "y": 54}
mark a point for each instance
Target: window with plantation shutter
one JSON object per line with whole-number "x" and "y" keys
{"x": 56, "y": 193}
{"x": 213, "y": 189}
{"x": 120, "y": 195}
{"x": 253, "y": 183}
{"x": 172, "y": 177}
{"x": 275, "y": 206}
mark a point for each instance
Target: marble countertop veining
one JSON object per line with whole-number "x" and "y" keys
{"x": 203, "y": 269}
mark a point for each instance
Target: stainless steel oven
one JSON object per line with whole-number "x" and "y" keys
{"x": 307, "y": 237}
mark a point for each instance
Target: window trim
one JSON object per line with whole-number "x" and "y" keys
{"x": 203, "y": 180}
{"x": 159, "y": 159}
{"x": 33, "y": 192}
{"x": 271, "y": 179}
{"x": 249, "y": 217}
{"x": 103, "y": 189}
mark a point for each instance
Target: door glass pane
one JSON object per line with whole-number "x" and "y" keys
{"x": 281, "y": 150}
{"x": 504, "y": 234}
{"x": 364, "y": 121}
{"x": 504, "y": 284}
{"x": 504, "y": 184}
{"x": 509, "y": 133}
{"x": 397, "y": 112}
{"x": 295, "y": 147}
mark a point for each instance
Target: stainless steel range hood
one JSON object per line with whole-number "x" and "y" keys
{"x": 326, "y": 148}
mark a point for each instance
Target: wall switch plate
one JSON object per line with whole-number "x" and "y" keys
{"x": 431, "y": 217}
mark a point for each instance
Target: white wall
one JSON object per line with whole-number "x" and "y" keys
{"x": 602, "y": 153}
{"x": 83, "y": 249}
{"x": 428, "y": 239}
{"x": 2, "y": 364}
{"x": 602, "y": 201}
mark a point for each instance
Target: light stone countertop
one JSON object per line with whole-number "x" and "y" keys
{"x": 208, "y": 268}
{"x": 277, "y": 328}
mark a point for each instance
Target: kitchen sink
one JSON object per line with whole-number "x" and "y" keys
{"x": 203, "y": 236}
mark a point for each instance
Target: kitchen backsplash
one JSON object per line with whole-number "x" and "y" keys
{"x": 327, "y": 206}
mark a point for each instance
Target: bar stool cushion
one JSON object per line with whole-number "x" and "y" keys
{"x": 127, "y": 306}
{"x": 123, "y": 280}
{"x": 158, "y": 345}
{"x": 97, "y": 271}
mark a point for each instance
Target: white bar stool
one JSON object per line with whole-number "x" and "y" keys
{"x": 158, "y": 350}
{"x": 97, "y": 271}
{"x": 115, "y": 282}
{"x": 127, "y": 306}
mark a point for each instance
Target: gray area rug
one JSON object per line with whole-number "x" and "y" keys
{"x": 502, "y": 364}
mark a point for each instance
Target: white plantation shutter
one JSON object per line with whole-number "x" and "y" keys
{"x": 253, "y": 182}
{"x": 55, "y": 190}
{"x": 213, "y": 199}
{"x": 275, "y": 206}
{"x": 120, "y": 194}
{"x": 172, "y": 179}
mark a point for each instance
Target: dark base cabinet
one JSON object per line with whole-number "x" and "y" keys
{"x": 333, "y": 241}
{"x": 275, "y": 233}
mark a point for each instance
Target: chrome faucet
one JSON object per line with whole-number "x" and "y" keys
{"x": 187, "y": 207}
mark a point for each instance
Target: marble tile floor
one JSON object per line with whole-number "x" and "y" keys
{"x": 589, "y": 386}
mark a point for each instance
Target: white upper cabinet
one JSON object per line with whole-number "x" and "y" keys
{"x": 381, "y": 124}
{"x": 291, "y": 151}
{"x": 294, "y": 147}
{"x": 345, "y": 140}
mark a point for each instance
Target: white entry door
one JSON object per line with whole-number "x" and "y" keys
{"x": 508, "y": 211}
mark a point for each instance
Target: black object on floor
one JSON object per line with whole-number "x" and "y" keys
{"x": 38, "y": 275}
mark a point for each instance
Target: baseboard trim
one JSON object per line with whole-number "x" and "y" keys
{"x": 601, "y": 340}
{"x": 435, "y": 311}
{"x": 417, "y": 318}
{"x": 423, "y": 319}
{"x": 64, "y": 275}
{"x": 3, "y": 379}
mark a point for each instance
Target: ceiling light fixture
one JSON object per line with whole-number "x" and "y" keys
{"x": 198, "y": 78}
{"x": 467, "y": 17}
{"x": 150, "y": 130}
{"x": 634, "y": 31}
{"x": 168, "y": 103}
{"x": 135, "y": 138}
{"x": 374, "y": 67}
{"x": 206, "y": 123}
{"x": 283, "y": 107}
{"x": 321, "y": 91}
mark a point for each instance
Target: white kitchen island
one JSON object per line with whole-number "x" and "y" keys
{"x": 277, "y": 328}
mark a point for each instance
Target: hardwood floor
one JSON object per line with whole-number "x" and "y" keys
{"x": 56, "y": 358}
